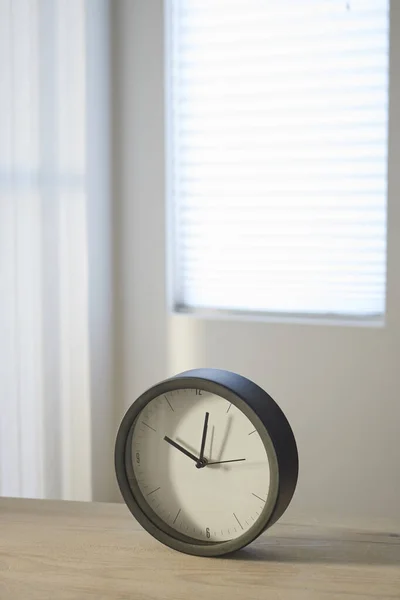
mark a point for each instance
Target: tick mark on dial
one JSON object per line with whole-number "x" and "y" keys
{"x": 262, "y": 500}
{"x": 251, "y": 432}
{"x": 169, "y": 404}
{"x": 152, "y": 492}
{"x": 229, "y": 408}
{"x": 238, "y": 520}
{"x": 149, "y": 426}
{"x": 178, "y": 513}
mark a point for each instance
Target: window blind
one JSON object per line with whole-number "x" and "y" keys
{"x": 277, "y": 120}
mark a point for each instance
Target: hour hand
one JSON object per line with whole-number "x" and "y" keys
{"x": 181, "y": 448}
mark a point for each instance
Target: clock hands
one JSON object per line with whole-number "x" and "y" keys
{"x": 201, "y": 461}
{"x": 221, "y": 462}
{"x": 181, "y": 449}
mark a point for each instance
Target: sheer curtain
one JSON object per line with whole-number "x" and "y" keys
{"x": 48, "y": 77}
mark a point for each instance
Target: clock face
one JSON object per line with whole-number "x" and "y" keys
{"x": 213, "y": 498}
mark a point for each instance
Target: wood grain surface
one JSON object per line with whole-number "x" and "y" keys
{"x": 72, "y": 550}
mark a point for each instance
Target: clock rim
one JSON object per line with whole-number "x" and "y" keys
{"x": 226, "y": 385}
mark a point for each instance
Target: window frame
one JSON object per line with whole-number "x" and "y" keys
{"x": 173, "y": 293}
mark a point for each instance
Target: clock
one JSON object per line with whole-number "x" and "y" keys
{"x": 206, "y": 461}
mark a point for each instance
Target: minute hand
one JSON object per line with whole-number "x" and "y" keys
{"x": 221, "y": 462}
{"x": 203, "y": 437}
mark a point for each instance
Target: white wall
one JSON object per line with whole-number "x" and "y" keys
{"x": 100, "y": 252}
{"x": 338, "y": 385}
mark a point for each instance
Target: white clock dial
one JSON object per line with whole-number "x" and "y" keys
{"x": 216, "y": 502}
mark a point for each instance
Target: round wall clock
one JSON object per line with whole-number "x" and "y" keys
{"x": 206, "y": 461}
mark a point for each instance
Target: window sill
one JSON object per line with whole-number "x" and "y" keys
{"x": 322, "y": 320}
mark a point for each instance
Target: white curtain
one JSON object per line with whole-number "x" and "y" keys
{"x": 46, "y": 179}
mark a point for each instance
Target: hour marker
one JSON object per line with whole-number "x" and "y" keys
{"x": 149, "y": 426}
{"x": 152, "y": 492}
{"x": 238, "y": 520}
{"x": 169, "y": 404}
{"x": 262, "y": 500}
{"x": 177, "y": 515}
{"x": 251, "y": 432}
{"x": 229, "y": 408}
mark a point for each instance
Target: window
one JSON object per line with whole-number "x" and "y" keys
{"x": 278, "y": 155}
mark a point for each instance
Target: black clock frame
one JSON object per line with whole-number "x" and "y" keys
{"x": 270, "y": 423}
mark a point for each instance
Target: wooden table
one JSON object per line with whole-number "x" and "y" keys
{"x": 72, "y": 550}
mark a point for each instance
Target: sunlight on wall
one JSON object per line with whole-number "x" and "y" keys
{"x": 185, "y": 344}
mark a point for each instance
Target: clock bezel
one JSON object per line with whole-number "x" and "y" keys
{"x": 235, "y": 389}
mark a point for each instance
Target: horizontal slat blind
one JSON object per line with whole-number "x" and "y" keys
{"x": 278, "y": 146}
